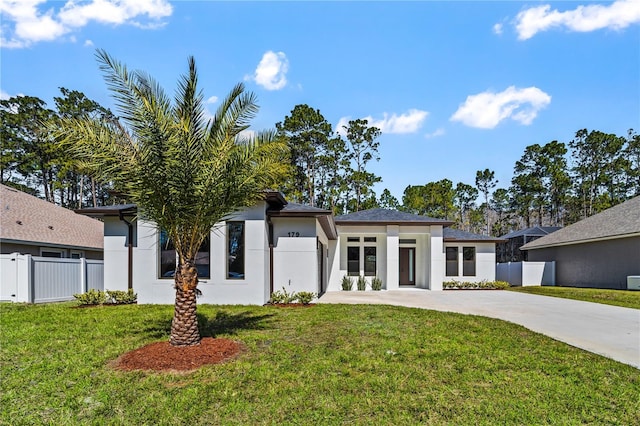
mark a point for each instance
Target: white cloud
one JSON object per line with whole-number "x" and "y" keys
{"x": 487, "y": 109}
{"x": 212, "y": 100}
{"x": 497, "y": 28}
{"x": 435, "y": 134}
{"x": 617, "y": 15}
{"x": 4, "y": 95}
{"x": 88, "y": 43}
{"x": 25, "y": 22}
{"x": 409, "y": 122}
{"x": 271, "y": 72}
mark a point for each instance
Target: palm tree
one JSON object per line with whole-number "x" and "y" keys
{"x": 185, "y": 172}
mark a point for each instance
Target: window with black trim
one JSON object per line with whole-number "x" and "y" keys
{"x": 169, "y": 259}
{"x": 468, "y": 261}
{"x": 353, "y": 239}
{"x": 353, "y": 261}
{"x": 235, "y": 250}
{"x": 370, "y": 261}
{"x": 369, "y": 239}
{"x": 452, "y": 261}
{"x": 407, "y": 241}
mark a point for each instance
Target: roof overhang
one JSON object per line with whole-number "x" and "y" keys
{"x": 458, "y": 240}
{"x": 47, "y": 244}
{"x": 117, "y": 210}
{"x": 391, "y": 222}
{"x": 573, "y": 243}
{"x": 325, "y": 218}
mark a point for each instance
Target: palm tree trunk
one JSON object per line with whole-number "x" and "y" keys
{"x": 184, "y": 327}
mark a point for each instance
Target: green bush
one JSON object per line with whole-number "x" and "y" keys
{"x": 376, "y": 284}
{"x": 305, "y": 297}
{"x": 347, "y": 283}
{"x": 282, "y": 297}
{"x": 362, "y": 283}
{"x": 91, "y": 297}
{"x": 482, "y": 285}
{"x": 120, "y": 297}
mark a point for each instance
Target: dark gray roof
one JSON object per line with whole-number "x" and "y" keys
{"x": 534, "y": 231}
{"x": 619, "y": 221}
{"x": 390, "y": 217}
{"x": 450, "y": 234}
{"x": 114, "y": 210}
{"x": 303, "y": 208}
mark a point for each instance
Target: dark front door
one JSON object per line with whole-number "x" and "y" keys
{"x": 407, "y": 266}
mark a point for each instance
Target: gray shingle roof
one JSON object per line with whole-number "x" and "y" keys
{"x": 384, "y": 216}
{"x": 619, "y": 221}
{"x": 303, "y": 208}
{"x": 533, "y": 231}
{"x": 26, "y": 218}
{"x": 450, "y": 234}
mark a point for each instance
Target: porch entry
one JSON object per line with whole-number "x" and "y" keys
{"x": 407, "y": 266}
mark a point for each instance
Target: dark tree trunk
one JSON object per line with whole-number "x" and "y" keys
{"x": 184, "y": 327}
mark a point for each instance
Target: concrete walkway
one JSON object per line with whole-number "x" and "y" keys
{"x": 607, "y": 330}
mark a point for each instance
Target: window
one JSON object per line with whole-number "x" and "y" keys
{"x": 353, "y": 239}
{"x": 353, "y": 261}
{"x": 452, "y": 261}
{"x": 51, "y": 253}
{"x": 77, "y": 254}
{"x": 370, "y": 261}
{"x": 468, "y": 261}
{"x": 369, "y": 239}
{"x": 235, "y": 250}
{"x": 407, "y": 240}
{"x": 169, "y": 259}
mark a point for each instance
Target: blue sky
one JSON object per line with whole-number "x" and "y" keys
{"x": 455, "y": 86}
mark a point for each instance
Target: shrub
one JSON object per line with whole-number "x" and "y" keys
{"x": 362, "y": 283}
{"x": 305, "y": 297}
{"x": 282, "y": 297}
{"x": 347, "y": 283}
{"x": 483, "y": 285}
{"x": 120, "y": 297}
{"x": 501, "y": 285}
{"x": 376, "y": 284}
{"x": 91, "y": 297}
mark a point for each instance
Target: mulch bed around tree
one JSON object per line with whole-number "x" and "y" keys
{"x": 161, "y": 356}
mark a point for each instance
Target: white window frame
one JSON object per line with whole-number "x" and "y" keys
{"x": 62, "y": 252}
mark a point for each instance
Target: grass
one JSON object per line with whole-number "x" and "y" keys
{"x": 328, "y": 364}
{"x": 624, "y": 298}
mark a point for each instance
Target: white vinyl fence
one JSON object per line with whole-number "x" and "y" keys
{"x": 30, "y": 279}
{"x": 527, "y": 273}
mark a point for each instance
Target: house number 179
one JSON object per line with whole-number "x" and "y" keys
{"x": 293, "y": 234}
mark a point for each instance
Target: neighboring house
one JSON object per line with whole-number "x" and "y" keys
{"x": 509, "y": 251}
{"x": 277, "y": 244}
{"x": 599, "y": 251}
{"x": 29, "y": 225}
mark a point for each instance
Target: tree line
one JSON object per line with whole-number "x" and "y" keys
{"x": 554, "y": 184}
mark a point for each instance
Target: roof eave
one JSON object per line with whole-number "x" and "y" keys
{"x": 571, "y": 243}
{"x": 391, "y": 222}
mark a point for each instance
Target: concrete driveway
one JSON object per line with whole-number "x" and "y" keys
{"x": 610, "y": 331}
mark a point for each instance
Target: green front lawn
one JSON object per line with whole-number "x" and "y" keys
{"x": 624, "y": 298}
{"x": 328, "y": 364}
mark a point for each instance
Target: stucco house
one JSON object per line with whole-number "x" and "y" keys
{"x": 30, "y": 225}
{"x": 277, "y": 244}
{"x": 600, "y": 251}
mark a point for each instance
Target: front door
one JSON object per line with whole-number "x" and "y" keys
{"x": 407, "y": 266}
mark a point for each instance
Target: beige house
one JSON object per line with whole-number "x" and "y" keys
{"x": 29, "y": 225}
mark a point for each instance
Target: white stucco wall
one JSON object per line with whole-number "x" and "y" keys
{"x": 429, "y": 267}
{"x": 116, "y": 254}
{"x": 485, "y": 261}
{"x": 295, "y": 254}
{"x": 218, "y": 289}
